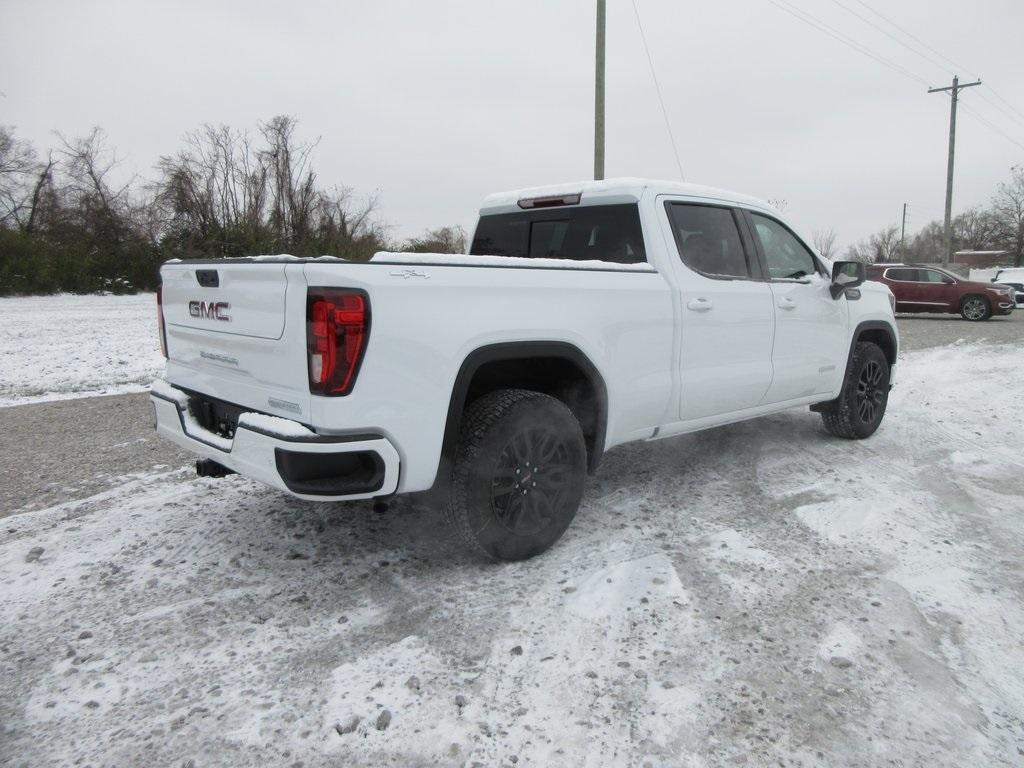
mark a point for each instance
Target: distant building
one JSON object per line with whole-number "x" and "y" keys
{"x": 982, "y": 259}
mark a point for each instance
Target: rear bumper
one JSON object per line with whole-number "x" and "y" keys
{"x": 291, "y": 459}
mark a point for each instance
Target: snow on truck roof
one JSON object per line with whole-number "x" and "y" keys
{"x": 616, "y": 190}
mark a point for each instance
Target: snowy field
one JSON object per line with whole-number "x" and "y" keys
{"x": 761, "y": 594}
{"x": 54, "y": 347}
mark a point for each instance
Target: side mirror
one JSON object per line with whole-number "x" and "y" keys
{"x": 950, "y": 281}
{"x": 846, "y": 274}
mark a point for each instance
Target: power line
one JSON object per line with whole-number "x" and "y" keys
{"x": 1007, "y": 113}
{"x": 915, "y": 38}
{"x": 984, "y": 121}
{"x": 891, "y": 36}
{"x": 993, "y": 92}
{"x": 657, "y": 87}
{"x": 832, "y": 32}
{"x": 1017, "y": 114}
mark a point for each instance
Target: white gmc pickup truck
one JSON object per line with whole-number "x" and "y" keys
{"x": 585, "y": 316}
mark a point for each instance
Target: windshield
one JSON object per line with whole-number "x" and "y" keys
{"x": 594, "y": 232}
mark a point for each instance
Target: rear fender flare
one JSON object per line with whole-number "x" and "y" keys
{"x": 519, "y": 350}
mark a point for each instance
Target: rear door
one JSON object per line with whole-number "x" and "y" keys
{"x": 810, "y": 349}
{"x": 726, "y": 312}
{"x": 905, "y": 287}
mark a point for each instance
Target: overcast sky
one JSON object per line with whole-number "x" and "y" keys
{"x": 435, "y": 104}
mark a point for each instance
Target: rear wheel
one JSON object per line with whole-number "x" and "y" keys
{"x": 859, "y": 409}
{"x": 518, "y": 475}
{"x": 975, "y": 308}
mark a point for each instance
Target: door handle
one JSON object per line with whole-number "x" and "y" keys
{"x": 786, "y": 303}
{"x": 699, "y": 304}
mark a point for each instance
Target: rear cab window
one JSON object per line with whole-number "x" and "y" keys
{"x": 594, "y": 232}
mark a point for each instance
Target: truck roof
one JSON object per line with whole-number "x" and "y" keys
{"x": 619, "y": 190}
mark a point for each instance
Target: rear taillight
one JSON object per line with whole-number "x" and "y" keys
{"x": 337, "y": 325}
{"x": 160, "y": 319}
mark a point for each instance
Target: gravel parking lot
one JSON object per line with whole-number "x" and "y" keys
{"x": 924, "y": 331}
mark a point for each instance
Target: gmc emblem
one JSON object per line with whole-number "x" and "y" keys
{"x": 214, "y": 310}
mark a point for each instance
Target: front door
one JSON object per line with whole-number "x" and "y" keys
{"x": 726, "y": 312}
{"x": 810, "y": 350}
{"x": 936, "y": 291}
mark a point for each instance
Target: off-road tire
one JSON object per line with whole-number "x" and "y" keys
{"x": 867, "y": 379}
{"x": 505, "y": 431}
{"x": 975, "y": 308}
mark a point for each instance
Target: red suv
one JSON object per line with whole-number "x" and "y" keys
{"x": 927, "y": 289}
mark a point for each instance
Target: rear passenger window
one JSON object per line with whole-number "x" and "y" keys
{"x": 709, "y": 240}
{"x": 902, "y": 275}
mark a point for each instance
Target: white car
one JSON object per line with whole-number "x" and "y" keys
{"x": 585, "y": 316}
{"x": 1013, "y": 277}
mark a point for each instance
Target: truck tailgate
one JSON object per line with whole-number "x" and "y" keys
{"x": 240, "y": 299}
{"x": 237, "y": 332}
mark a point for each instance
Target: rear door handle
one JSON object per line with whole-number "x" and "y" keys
{"x": 786, "y": 303}
{"x": 699, "y": 304}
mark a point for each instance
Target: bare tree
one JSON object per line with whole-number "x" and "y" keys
{"x": 927, "y": 245}
{"x": 440, "y": 240}
{"x": 882, "y": 246}
{"x": 859, "y": 252}
{"x": 214, "y": 186}
{"x": 88, "y": 165}
{"x": 18, "y": 167}
{"x": 223, "y": 195}
{"x": 825, "y": 241}
{"x": 885, "y": 244}
{"x": 975, "y": 229}
{"x": 42, "y": 185}
{"x": 292, "y": 182}
{"x": 1008, "y": 212}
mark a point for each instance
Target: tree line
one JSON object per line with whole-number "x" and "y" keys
{"x": 999, "y": 226}
{"x": 67, "y": 225}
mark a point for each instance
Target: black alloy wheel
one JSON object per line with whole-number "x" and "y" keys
{"x": 529, "y": 483}
{"x": 872, "y": 386}
{"x": 518, "y": 475}
{"x": 860, "y": 407}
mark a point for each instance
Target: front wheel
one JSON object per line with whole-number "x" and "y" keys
{"x": 975, "y": 308}
{"x": 518, "y": 475}
{"x": 859, "y": 409}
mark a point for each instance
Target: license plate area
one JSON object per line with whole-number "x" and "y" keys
{"x": 215, "y": 416}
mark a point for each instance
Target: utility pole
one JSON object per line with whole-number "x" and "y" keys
{"x": 954, "y": 90}
{"x": 599, "y": 95}
{"x": 903, "y": 229}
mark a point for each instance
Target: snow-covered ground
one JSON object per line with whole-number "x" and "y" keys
{"x": 54, "y": 347}
{"x": 761, "y": 594}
